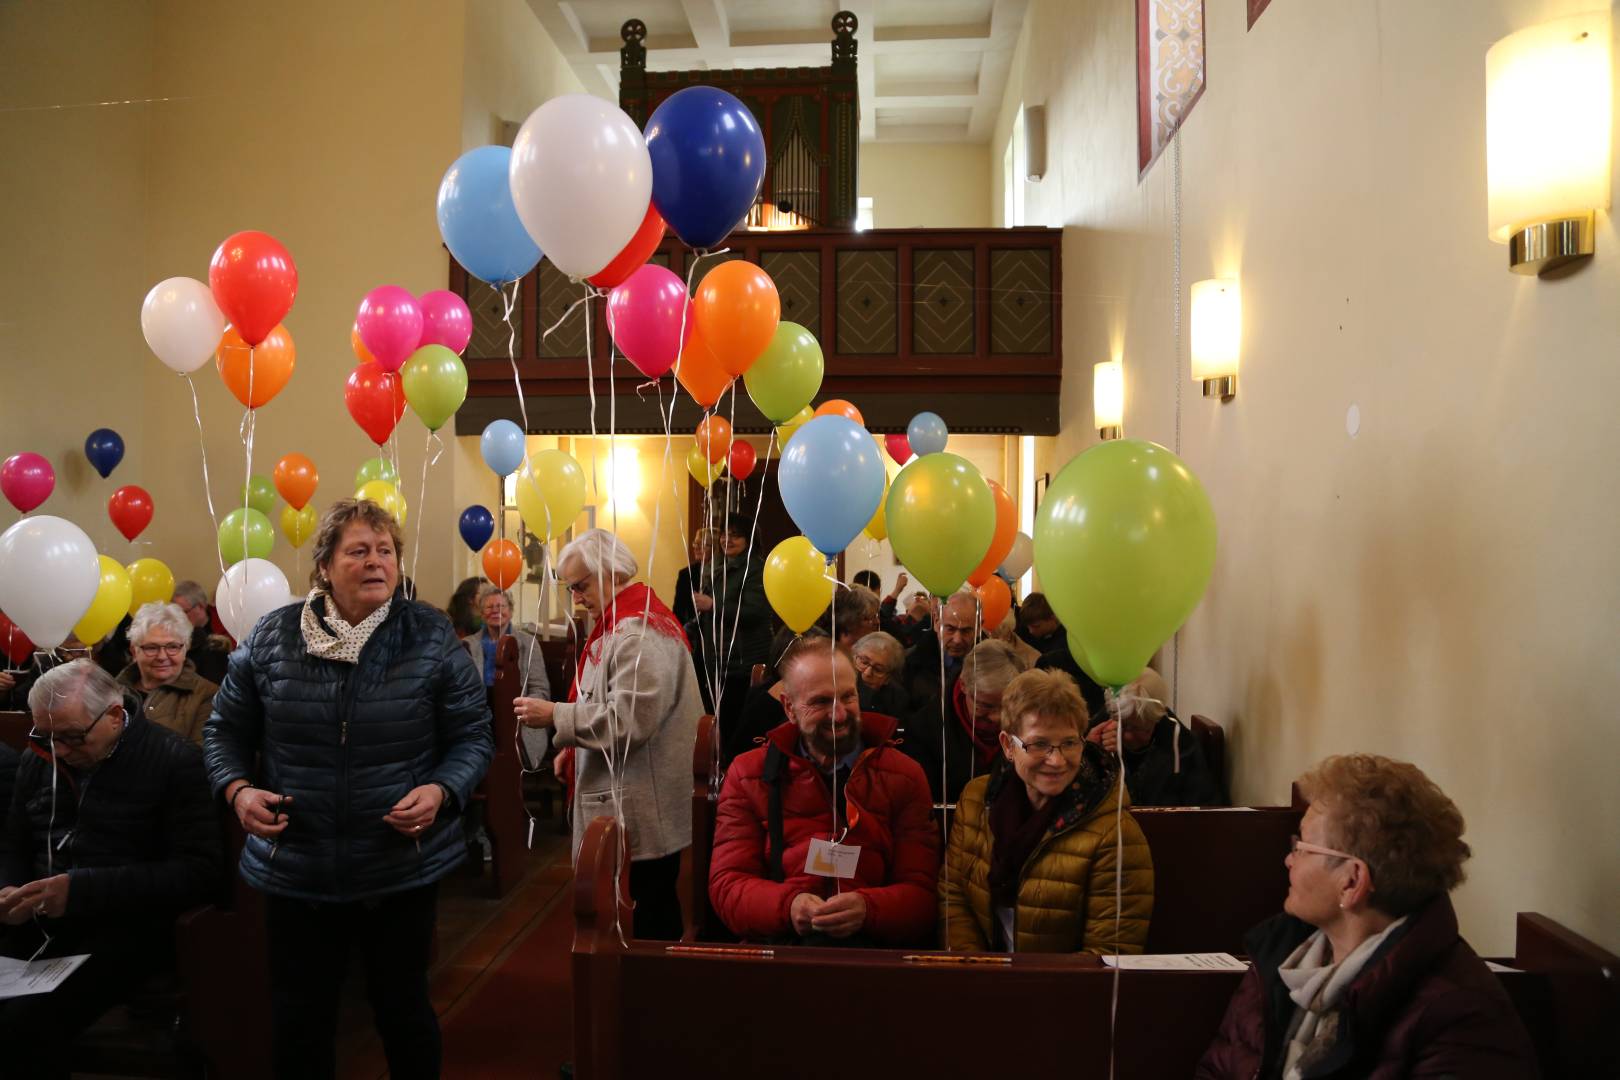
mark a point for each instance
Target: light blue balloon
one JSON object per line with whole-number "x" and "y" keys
{"x": 927, "y": 434}
{"x": 478, "y": 220}
{"x": 832, "y": 481}
{"x": 502, "y": 447}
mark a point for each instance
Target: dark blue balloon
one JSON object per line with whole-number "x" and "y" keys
{"x": 105, "y": 449}
{"x": 477, "y": 526}
{"x": 708, "y": 160}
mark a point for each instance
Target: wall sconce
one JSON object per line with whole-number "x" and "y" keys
{"x": 1217, "y": 335}
{"x": 1547, "y": 103}
{"x": 1108, "y": 398}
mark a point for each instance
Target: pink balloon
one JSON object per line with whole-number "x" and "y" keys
{"x": 650, "y": 318}
{"x": 27, "y": 480}
{"x": 390, "y": 325}
{"x": 445, "y": 320}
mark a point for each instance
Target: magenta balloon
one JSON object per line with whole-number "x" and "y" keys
{"x": 390, "y": 324}
{"x": 445, "y": 320}
{"x": 650, "y": 319}
{"x": 27, "y": 480}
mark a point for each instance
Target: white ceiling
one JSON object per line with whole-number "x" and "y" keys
{"x": 930, "y": 70}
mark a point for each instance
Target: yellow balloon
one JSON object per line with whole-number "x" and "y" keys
{"x": 550, "y": 492}
{"x": 789, "y": 427}
{"x": 297, "y": 525}
{"x": 385, "y": 495}
{"x": 150, "y": 582}
{"x": 797, "y": 583}
{"x": 703, "y": 470}
{"x": 108, "y": 608}
{"x": 878, "y": 527}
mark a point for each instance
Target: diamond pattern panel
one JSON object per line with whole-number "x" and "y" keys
{"x": 1021, "y": 302}
{"x": 709, "y": 263}
{"x": 557, "y": 293}
{"x": 798, "y": 282}
{"x": 868, "y": 306}
{"x": 490, "y": 336}
{"x": 942, "y": 317}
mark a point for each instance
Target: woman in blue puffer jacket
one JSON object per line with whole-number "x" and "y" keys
{"x": 347, "y": 737}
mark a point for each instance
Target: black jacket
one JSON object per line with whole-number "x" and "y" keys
{"x": 1151, "y": 776}
{"x": 738, "y": 627}
{"x": 346, "y": 742}
{"x": 1061, "y": 659}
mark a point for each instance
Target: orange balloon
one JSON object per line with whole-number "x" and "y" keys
{"x": 359, "y": 346}
{"x": 267, "y": 366}
{"x": 700, "y": 372}
{"x": 840, "y": 407}
{"x": 295, "y": 478}
{"x": 502, "y": 563}
{"x": 995, "y": 600}
{"x": 714, "y": 437}
{"x": 736, "y": 309}
{"x": 1001, "y": 542}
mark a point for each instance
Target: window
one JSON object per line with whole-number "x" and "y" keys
{"x": 1169, "y": 71}
{"x": 1012, "y": 175}
{"x": 863, "y": 213}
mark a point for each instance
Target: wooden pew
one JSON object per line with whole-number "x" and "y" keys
{"x": 501, "y": 792}
{"x": 1212, "y": 741}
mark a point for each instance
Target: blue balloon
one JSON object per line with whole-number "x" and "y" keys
{"x": 927, "y": 434}
{"x": 105, "y": 449}
{"x": 502, "y": 447}
{"x": 477, "y": 526}
{"x": 708, "y": 161}
{"x": 478, "y": 221}
{"x": 832, "y": 481}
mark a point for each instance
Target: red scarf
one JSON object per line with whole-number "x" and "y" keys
{"x": 634, "y": 601}
{"x": 986, "y": 734}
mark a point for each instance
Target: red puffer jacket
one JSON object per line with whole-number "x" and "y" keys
{"x": 890, "y": 817}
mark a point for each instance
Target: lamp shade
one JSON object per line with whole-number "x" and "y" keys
{"x": 1108, "y": 394}
{"x": 1217, "y": 328}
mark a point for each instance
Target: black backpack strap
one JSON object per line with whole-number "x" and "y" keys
{"x": 775, "y": 775}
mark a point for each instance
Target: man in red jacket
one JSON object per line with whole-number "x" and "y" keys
{"x": 825, "y": 834}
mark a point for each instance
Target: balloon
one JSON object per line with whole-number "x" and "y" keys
{"x": 297, "y": 524}
{"x": 27, "y": 480}
{"x": 840, "y": 407}
{"x": 105, "y": 449}
{"x": 249, "y": 591}
{"x": 110, "y": 605}
{"x": 1125, "y": 545}
{"x": 502, "y": 447}
{"x": 790, "y": 427}
{"x": 898, "y": 447}
{"x": 479, "y": 224}
{"x": 995, "y": 601}
{"x": 941, "y": 519}
{"x": 376, "y": 468}
{"x": 131, "y": 511}
{"x": 477, "y": 526}
{"x": 649, "y": 319}
{"x": 361, "y": 353}
{"x": 878, "y": 527}
{"x": 784, "y": 377}
{"x": 737, "y": 311}
{"x": 704, "y": 471}
{"x": 376, "y": 400}
{"x": 708, "y": 163}
{"x": 296, "y": 479}
{"x": 1001, "y": 541}
{"x": 832, "y": 481}
{"x": 256, "y": 374}
{"x": 926, "y": 434}
{"x": 390, "y": 324}
{"x": 14, "y": 644}
{"x": 700, "y": 372}
{"x": 797, "y": 583}
{"x": 714, "y": 437}
{"x": 49, "y": 574}
{"x": 150, "y": 582}
{"x": 254, "y": 281}
{"x": 1019, "y": 559}
{"x": 550, "y": 493}
{"x": 635, "y": 253}
{"x": 502, "y": 563}
{"x": 741, "y": 462}
{"x": 435, "y": 384}
{"x": 385, "y": 495}
{"x": 445, "y": 320}
{"x": 182, "y": 324}
{"x": 581, "y": 181}
{"x": 260, "y": 494}
{"x": 258, "y": 535}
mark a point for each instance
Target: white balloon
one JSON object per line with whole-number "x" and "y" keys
{"x": 182, "y": 323}
{"x": 49, "y": 574}
{"x": 1019, "y": 559}
{"x": 581, "y": 181}
{"x": 249, "y": 591}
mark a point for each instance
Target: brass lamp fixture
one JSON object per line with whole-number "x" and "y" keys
{"x": 1108, "y": 398}
{"x": 1217, "y": 335}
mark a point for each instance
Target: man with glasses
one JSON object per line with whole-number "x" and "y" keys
{"x": 210, "y": 645}
{"x": 110, "y": 836}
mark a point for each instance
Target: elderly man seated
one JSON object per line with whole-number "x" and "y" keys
{"x": 1164, "y": 762}
{"x": 104, "y": 875}
{"x": 210, "y": 645}
{"x": 824, "y": 835}
{"x": 957, "y": 632}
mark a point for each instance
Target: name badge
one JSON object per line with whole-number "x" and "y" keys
{"x": 826, "y": 859}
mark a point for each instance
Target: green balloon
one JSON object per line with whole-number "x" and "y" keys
{"x": 376, "y": 469}
{"x": 942, "y": 517}
{"x": 260, "y": 537}
{"x": 435, "y": 382}
{"x": 787, "y": 374}
{"x": 260, "y": 494}
{"x": 1124, "y": 545}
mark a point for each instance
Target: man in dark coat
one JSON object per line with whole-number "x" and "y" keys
{"x": 1164, "y": 761}
{"x": 732, "y": 626}
{"x": 957, "y": 633}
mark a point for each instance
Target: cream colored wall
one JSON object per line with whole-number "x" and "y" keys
{"x": 926, "y": 185}
{"x": 1442, "y": 586}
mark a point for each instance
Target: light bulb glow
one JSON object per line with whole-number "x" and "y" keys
{"x": 1217, "y": 328}
{"x": 1108, "y": 394}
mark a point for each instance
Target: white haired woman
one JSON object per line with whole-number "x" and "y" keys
{"x": 174, "y": 695}
{"x": 879, "y": 659}
{"x": 631, "y": 716}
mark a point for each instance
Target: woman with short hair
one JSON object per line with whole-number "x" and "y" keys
{"x": 879, "y": 659}
{"x": 174, "y": 695}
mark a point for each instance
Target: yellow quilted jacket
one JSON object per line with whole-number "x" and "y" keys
{"x": 1066, "y": 899}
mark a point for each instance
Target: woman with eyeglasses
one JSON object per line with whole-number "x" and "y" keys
{"x": 174, "y": 695}
{"x": 1044, "y": 855}
{"x": 879, "y": 659}
{"x": 1364, "y": 973}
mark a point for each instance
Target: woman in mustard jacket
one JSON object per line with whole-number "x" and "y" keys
{"x": 1041, "y": 858}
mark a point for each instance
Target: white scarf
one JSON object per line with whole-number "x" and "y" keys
{"x": 342, "y": 641}
{"x": 1317, "y": 985}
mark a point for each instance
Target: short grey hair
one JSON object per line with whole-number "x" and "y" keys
{"x": 485, "y": 594}
{"x": 893, "y": 653}
{"x": 77, "y": 680}
{"x": 991, "y": 666}
{"x": 603, "y": 554}
{"x": 191, "y": 590}
{"x": 159, "y": 616}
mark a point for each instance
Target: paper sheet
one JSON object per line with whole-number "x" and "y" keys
{"x": 19, "y": 978}
{"x": 1209, "y": 961}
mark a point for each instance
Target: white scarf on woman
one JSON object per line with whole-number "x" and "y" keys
{"x": 1317, "y": 985}
{"x": 333, "y": 639}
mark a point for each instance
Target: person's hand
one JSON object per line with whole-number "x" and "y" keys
{"x": 7, "y": 681}
{"x": 6, "y": 896}
{"x": 562, "y": 766}
{"x": 416, "y": 811}
{"x": 899, "y": 587}
{"x": 534, "y": 712}
{"x": 841, "y": 915}
{"x": 47, "y": 897}
{"x": 1105, "y": 735}
{"x": 703, "y": 601}
{"x": 262, "y": 813}
{"x": 803, "y": 912}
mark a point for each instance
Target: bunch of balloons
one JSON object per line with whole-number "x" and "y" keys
{"x": 409, "y": 351}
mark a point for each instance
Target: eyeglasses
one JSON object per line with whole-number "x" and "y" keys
{"x": 578, "y": 587}
{"x": 871, "y": 667}
{"x": 1040, "y": 749}
{"x": 168, "y": 648}
{"x": 66, "y": 738}
{"x": 1296, "y": 846}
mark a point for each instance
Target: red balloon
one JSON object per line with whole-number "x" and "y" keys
{"x": 635, "y": 253}
{"x": 14, "y": 644}
{"x": 741, "y": 463}
{"x": 254, "y": 280}
{"x": 376, "y": 400}
{"x": 131, "y": 510}
{"x": 899, "y": 447}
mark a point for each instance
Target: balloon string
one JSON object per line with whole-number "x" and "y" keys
{"x": 944, "y": 770}
{"x": 1119, "y": 879}
{"x": 509, "y": 303}
{"x": 208, "y": 491}
{"x": 421, "y": 501}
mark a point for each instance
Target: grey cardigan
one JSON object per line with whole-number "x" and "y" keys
{"x": 531, "y": 661}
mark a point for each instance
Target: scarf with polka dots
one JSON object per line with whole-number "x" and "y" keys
{"x": 328, "y": 636}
